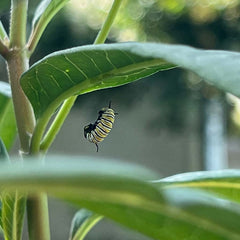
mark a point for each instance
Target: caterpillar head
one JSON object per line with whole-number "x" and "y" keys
{"x": 88, "y": 129}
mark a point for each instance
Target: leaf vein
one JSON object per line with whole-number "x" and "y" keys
{"x": 60, "y": 70}
{"x": 79, "y": 69}
{"x": 94, "y": 63}
{"x": 109, "y": 60}
{"x": 40, "y": 84}
{"x": 56, "y": 82}
{"x": 127, "y": 55}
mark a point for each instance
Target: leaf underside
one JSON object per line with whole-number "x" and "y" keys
{"x": 84, "y": 69}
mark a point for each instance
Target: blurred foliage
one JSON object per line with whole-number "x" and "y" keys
{"x": 177, "y": 94}
{"x": 202, "y": 24}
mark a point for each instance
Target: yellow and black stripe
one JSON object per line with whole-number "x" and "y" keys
{"x": 95, "y": 133}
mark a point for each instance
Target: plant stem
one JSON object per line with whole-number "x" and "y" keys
{"x": 57, "y": 123}
{"x": 68, "y": 103}
{"x": 35, "y": 206}
{"x": 42, "y": 23}
{"x": 103, "y": 33}
{"x": 18, "y": 23}
{"x": 18, "y": 63}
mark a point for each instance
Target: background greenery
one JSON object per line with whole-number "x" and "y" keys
{"x": 175, "y": 101}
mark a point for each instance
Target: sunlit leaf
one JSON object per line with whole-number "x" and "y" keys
{"x": 120, "y": 192}
{"x": 8, "y": 127}
{"x": 82, "y": 223}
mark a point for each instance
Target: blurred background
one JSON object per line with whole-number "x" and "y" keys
{"x": 171, "y": 122}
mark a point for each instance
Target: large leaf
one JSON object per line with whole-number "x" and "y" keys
{"x": 84, "y": 69}
{"x": 224, "y": 183}
{"x": 8, "y": 127}
{"x": 118, "y": 191}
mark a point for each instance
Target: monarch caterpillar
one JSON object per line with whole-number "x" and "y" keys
{"x": 95, "y": 133}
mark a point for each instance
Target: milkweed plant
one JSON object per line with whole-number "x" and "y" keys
{"x": 198, "y": 205}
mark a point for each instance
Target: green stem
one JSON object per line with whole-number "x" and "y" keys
{"x": 17, "y": 61}
{"x": 17, "y": 64}
{"x": 103, "y": 33}
{"x": 18, "y": 23}
{"x": 37, "y": 206}
{"x": 57, "y": 123}
{"x": 68, "y": 103}
{"x": 42, "y": 23}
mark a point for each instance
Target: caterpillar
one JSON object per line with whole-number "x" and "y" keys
{"x": 96, "y": 132}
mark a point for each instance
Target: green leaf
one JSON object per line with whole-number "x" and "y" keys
{"x": 8, "y": 127}
{"x": 84, "y": 69}
{"x": 82, "y": 223}
{"x": 46, "y": 10}
{"x": 224, "y": 183}
{"x": 120, "y": 192}
{"x": 13, "y": 209}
